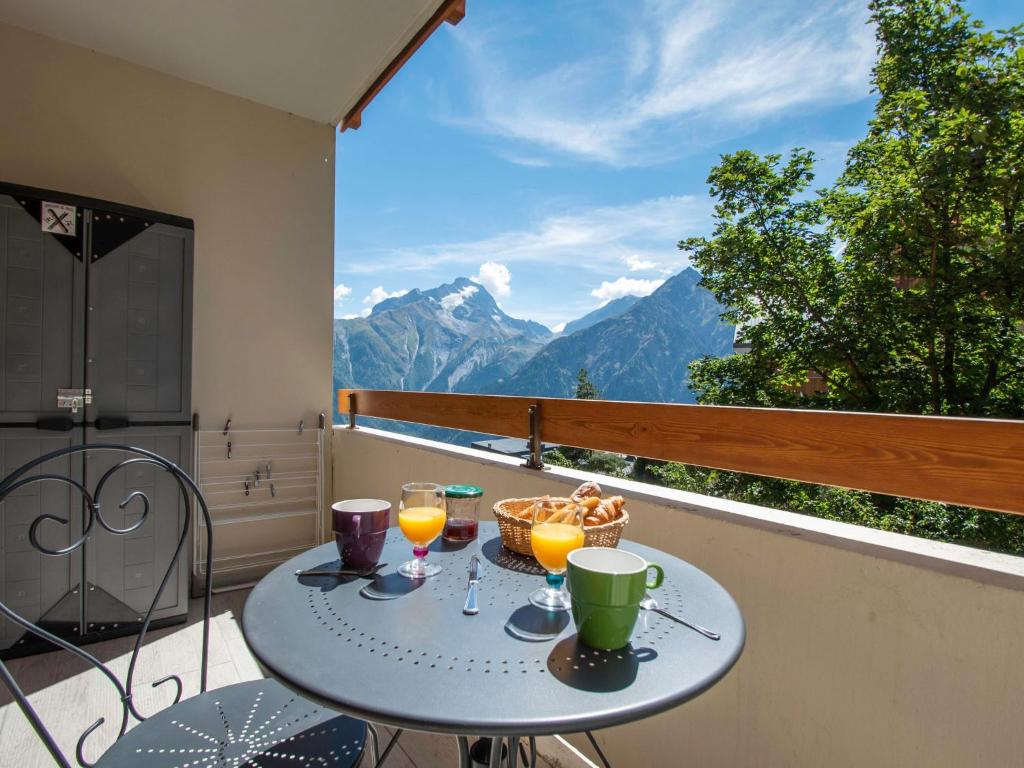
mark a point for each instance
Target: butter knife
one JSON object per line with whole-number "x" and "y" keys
{"x": 475, "y": 574}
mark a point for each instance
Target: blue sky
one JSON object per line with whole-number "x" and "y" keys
{"x": 556, "y": 150}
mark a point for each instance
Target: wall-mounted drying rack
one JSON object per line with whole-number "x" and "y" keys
{"x": 264, "y": 488}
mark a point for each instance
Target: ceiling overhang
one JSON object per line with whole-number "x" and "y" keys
{"x": 451, "y": 11}
{"x": 323, "y": 60}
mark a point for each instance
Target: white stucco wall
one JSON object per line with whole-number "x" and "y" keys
{"x": 258, "y": 182}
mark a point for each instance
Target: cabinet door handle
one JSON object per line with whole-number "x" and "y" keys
{"x": 56, "y": 424}
{"x": 112, "y": 422}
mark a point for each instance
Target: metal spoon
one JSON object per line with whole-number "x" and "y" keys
{"x": 342, "y": 572}
{"x": 650, "y": 604}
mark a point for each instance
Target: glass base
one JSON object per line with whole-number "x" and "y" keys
{"x": 550, "y": 599}
{"x": 418, "y": 569}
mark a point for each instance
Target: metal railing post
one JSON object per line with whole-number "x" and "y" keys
{"x": 536, "y": 457}
{"x": 351, "y": 410}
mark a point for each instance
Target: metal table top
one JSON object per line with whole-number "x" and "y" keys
{"x": 402, "y": 653}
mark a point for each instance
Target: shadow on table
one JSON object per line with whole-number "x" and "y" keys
{"x": 535, "y": 625}
{"x": 443, "y": 545}
{"x": 504, "y": 558}
{"x": 327, "y": 583}
{"x": 389, "y": 586}
{"x": 588, "y": 669}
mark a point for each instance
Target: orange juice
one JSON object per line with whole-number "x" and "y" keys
{"x": 552, "y": 543}
{"x": 421, "y": 525}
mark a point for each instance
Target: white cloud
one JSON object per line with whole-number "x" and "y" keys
{"x": 673, "y": 74}
{"x": 495, "y": 277}
{"x": 378, "y": 294}
{"x": 526, "y": 161}
{"x": 597, "y": 239}
{"x": 625, "y": 286}
{"x": 340, "y": 292}
{"x": 453, "y": 300}
{"x": 559, "y": 328}
{"x": 637, "y": 264}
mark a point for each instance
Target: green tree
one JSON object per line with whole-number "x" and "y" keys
{"x": 581, "y": 458}
{"x": 921, "y": 310}
{"x": 935, "y": 193}
{"x": 604, "y": 463}
{"x": 585, "y": 389}
{"x": 901, "y": 285}
{"x": 557, "y": 457}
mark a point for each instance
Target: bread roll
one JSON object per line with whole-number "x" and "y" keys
{"x": 587, "y": 490}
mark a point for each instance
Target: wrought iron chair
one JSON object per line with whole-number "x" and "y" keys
{"x": 259, "y": 723}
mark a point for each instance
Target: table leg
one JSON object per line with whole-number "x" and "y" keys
{"x": 597, "y": 748}
{"x": 513, "y": 751}
{"x": 372, "y": 747}
{"x": 496, "y": 744}
{"x": 388, "y": 748}
{"x": 464, "y": 761}
{"x": 533, "y": 752}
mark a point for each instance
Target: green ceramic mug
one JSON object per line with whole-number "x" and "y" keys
{"x": 606, "y": 586}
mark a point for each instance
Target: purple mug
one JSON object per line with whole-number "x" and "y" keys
{"x": 360, "y": 526}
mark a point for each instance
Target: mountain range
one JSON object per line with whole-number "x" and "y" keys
{"x": 613, "y": 308}
{"x": 455, "y": 338}
{"x": 641, "y": 354}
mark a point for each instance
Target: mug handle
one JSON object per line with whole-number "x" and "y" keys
{"x": 659, "y": 576}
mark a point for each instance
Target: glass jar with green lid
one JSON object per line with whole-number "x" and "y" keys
{"x": 463, "y": 505}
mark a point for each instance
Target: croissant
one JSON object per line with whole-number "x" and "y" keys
{"x": 587, "y": 490}
{"x": 586, "y": 498}
{"x": 557, "y": 516}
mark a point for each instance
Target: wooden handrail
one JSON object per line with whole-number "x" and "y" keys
{"x": 967, "y": 461}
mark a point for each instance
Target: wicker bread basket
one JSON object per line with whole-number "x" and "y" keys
{"x": 515, "y": 533}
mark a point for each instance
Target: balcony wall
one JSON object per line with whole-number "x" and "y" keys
{"x": 863, "y": 647}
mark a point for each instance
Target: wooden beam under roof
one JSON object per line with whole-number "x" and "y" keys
{"x": 451, "y": 11}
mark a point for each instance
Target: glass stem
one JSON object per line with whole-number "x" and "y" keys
{"x": 555, "y": 581}
{"x": 420, "y": 552}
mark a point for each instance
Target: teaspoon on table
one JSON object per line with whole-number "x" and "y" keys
{"x": 650, "y": 604}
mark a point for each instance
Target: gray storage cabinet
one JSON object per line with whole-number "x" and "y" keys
{"x": 102, "y": 317}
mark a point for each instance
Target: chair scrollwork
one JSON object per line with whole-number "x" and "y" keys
{"x": 93, "y": 514}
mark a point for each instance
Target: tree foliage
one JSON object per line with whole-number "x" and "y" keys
{"x": 902, "y": 284}
{"x": 600, "y": 462}
{"x": 585, "y": 388}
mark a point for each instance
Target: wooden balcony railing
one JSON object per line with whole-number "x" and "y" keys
{"x": 967, "y": 461}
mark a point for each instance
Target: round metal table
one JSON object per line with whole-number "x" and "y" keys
{"x": 402, "y": 653}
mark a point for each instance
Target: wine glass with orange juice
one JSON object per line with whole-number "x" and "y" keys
{"x": 556, "y": 531}
{"x": 421, "y": 517}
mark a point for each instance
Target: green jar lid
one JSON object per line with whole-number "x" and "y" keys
{"x": 463, "y": 491}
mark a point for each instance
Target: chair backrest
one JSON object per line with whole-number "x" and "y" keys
{"x": 93, "y": 522}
